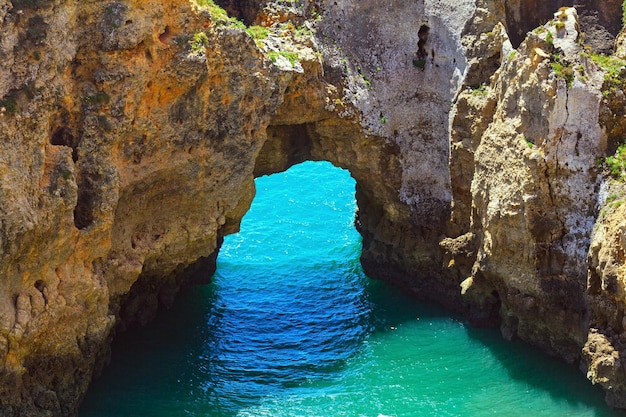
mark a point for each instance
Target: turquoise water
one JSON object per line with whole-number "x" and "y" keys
{"x": 291, "y": 327}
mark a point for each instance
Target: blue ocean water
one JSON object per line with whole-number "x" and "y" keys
{"x": 291, "y": 327}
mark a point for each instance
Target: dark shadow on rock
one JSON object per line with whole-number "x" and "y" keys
{"x": 565, "y": 382}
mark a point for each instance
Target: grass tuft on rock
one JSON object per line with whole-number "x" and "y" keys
{"x": 617, "y": 163}
{"x": 292, "y": 57}
{"x": 258, "y": 32}
{"x": 219, "y": 15}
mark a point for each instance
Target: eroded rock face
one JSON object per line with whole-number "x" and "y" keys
{"x": 132, "y": 132}
{"x": 531, "y": 147}
{"x": 120, "y": 143}
{"x": 605, "y": 347}
{"x": 131, "y": 148}
{"x": 600, "y": 20}
{"x": 533, "y": 186}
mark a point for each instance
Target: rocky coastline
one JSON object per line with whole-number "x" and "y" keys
{"x": 484, "y": 137}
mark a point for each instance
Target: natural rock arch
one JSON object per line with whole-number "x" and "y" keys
{"x": 130, "y": 148}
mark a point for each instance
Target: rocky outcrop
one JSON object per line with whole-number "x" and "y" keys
{"x": 605, "y": 346}
{"x": 532, "y": 147}
{"x": 604, "y": 349}
{"x": 119, "y": 145}
{"x": 132, "y": 132}
{"x": 600, "y": 20}
{"x": 534, "y": 185}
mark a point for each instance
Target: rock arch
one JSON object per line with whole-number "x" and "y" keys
{"x": 106, "y": 212}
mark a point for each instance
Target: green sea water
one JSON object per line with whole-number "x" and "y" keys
{"x": 291, "y": 326}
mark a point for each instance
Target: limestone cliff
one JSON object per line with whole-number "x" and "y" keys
{"x": 533, "y": 190}
{"x": 132, "y": 132}
{"x": 529, "y": 189}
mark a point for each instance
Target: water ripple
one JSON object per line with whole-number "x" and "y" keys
{"x": 291, "y": 327}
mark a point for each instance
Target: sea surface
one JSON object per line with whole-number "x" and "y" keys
{"x": 291, "y": 327}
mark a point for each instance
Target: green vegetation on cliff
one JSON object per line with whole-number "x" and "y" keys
{"x": 611, "y": 64}
{"x": 617, "y": 163}
{"x": 614, "y": 68}
{"x": 292, "y": 57}
{"x": 258, "y": 32}
{"x": 563, "y": 68}
{"x": 218, "y": 14}
{"x": 199, "y": 42}
{"x": 8, "y": 105}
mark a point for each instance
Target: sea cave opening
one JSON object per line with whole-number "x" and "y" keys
{"x": 291, "y": 326}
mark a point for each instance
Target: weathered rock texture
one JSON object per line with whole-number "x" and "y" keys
{"x": 533, "y": 191}
{"x": 132, "y": 132}
{"x": 601, "y": 20}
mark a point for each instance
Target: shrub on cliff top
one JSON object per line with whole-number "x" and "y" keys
{"x": 617, "y": 163}
{"x": 218, "y": 14}
{"x": 563, "y": 69}
{"x": 258, "y": 32}
{"x": 613, "y": 67}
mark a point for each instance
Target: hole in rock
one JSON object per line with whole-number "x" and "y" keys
{"x": 86, "y": 204}
{"x": 63, "y": 137}
{"x": 37, "y": 29}
{"x": 421, "y": 44}
{"x": 290, "y": 326}
{"x": 166, "y": 36}
{"x": 40, "y": 285}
